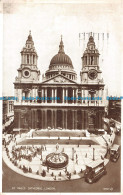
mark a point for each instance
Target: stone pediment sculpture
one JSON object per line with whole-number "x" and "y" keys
{"x": 59, "y": 79}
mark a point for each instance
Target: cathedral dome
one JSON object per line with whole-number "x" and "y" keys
{"x": 61, "y": 64}
{"x": 61, "y": 58}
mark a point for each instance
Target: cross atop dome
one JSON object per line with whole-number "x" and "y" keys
{"x": 30, "y": 37}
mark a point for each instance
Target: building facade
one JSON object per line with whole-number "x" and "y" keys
{"x": 60, "y": 81}
{"x": 8, "y": 109}
{"x": 114, "y": 110}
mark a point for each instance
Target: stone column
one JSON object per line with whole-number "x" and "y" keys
{"x": 35, "y": 119}
{"x": 97, "y": 60}
{"x": 76, "y": 95}
{"x": 102, "y": 95}
{"x": 63, "y": 96}
{"x": 66, "y": 119}
{"x": 32, "y": 118}
{"x": 46, "y": 95}
{"x": 67, "y": 95}
{"x": 42, "y": 119}
{"x": 73, "y": 96}
{"x": 86, "y": 113}
{"x": 88, "y": 60}
{"x": 17, "y": 94}
{"x": 99, "y": 96}
{"x": 55, "y": 119}
{"x": 63, "y": 119}
{"x": 52, "y": 119}
{"x": 82, "y": 95}
{"x": 32, "y": 94}
{"x": 55, "y": 95}
{"x": 25, "y": 59}
{"x": 36, "y": 91}
{"x": 83, "y": 119}
{"x": 100, "y": 120}
{"x": 72, "y": 119}
{"x": 34, "y": 59}
{"x": 29, "y": 59}
{"x": 45, "y": 119}
{"x": 23, "y": 95}
{"x": 42, "y": 94}
{"x": 20, "y": 96}
{"x": 75, "y": 119}
{"x": 52, "y": 96}
{"x": 86, "y": 95}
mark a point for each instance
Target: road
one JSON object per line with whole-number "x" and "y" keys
{"x": 13, "y": 182}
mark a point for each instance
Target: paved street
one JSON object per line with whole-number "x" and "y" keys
{"x": 13, "y": 182}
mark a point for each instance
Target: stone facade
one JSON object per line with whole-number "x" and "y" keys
{"x": 59, "y": 81}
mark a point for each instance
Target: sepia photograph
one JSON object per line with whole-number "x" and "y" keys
{"x": 61, "y": 96}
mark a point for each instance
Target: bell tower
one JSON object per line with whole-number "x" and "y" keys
{"x": 91, "y": 74}
{"x": 28, "y": 71}
{"x": 93, "y": 85}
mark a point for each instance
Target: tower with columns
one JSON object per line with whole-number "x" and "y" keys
{"x": 28, "y": 71}
{"x": 59, "y": 101}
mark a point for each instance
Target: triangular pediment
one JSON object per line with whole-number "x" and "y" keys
{"x": 59, "y": 79}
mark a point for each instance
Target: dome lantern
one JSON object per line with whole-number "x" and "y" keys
{"x": 61, "y": 46}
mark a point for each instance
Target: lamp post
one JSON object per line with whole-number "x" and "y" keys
{"x": 72, "y": 153}
{"x": 19, "y": 125}
{"x": 93, "y": 154}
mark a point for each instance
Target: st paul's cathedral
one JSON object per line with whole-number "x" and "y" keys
{"x": 60, "y": 80}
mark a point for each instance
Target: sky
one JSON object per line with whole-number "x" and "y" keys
{"x": 47, "y": 22}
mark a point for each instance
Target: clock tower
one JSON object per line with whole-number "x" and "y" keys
{"x": 28, "y": 71}
{"x": 93, "y": 85}
{"x": 91, "y": 74}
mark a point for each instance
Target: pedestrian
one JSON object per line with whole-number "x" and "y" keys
{"x": 69, "y": 176}
{"x": 47, "y": 169}
{"x": 102, "y": 157}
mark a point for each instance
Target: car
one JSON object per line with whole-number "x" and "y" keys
{"x": 114, "y": 153}
{"x": 94, "y": 171}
